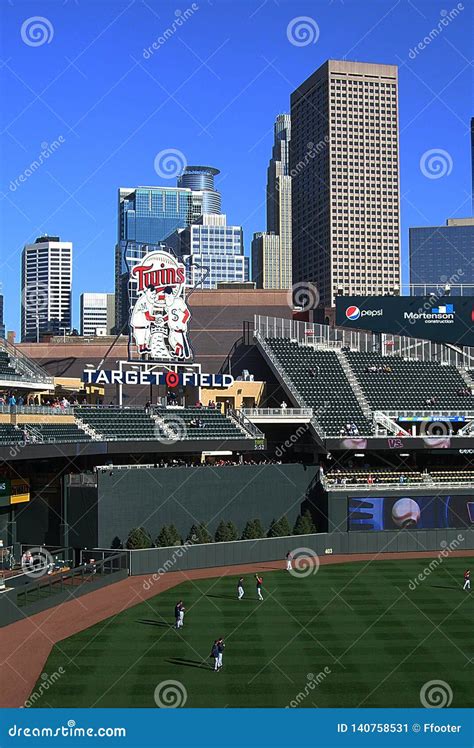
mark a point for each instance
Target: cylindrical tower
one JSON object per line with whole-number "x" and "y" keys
{"x": 201, "y": 179}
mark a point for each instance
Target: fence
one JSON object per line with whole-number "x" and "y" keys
{"x": 59, "y": 587}
{"x": 183, "y": 558}
{"x": 332, "y": 337}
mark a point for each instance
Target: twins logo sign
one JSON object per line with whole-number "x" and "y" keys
{"x": 159, "y": 318}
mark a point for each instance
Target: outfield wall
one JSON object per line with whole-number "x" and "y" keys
{"x": 103, "y": 516}
{"x": 182, "y": 558}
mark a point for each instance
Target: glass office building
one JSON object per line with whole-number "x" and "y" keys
{"x": 442, "y": 255}
{"x": 213, "y": 252}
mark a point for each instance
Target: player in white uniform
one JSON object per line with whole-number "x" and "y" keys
{"x": 177, "y": 316}
{"x": 141, "y": 318}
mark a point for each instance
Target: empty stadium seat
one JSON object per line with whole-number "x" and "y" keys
{"x": 327, "y": 391}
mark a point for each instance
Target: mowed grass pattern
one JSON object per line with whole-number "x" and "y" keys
{"x": 380, "y": 641}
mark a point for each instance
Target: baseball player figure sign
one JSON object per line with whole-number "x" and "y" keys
{"x": 160, "y": 316}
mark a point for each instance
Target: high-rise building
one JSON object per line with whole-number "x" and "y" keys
{"x": 2, "y": 323}
{"x": 46, "y": 287}
{"x": 149, "y": 215}
{"x": 472, "y": 161}
{"x": 345, "y": 180}
{"x": 442, "y": 255}
{"x": 97, "y": 313}
{"x": 213, "y": 252}
{"x": 271, "y": 250}
{"x": 200, "y": 179}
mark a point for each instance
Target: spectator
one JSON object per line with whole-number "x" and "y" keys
{"x": 283, "y": 405}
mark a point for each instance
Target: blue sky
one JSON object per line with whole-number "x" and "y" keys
{"x": 212, "y": 91}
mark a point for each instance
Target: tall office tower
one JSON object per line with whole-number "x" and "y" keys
{"x": 472, "y": 160}
{"x": 97, "y": 313}
{"x": 200, "y": 179}
{"x": 442, "y": 255}
{"x": 271, "y": 250}
{"x": 345, "y": 180}
{"x": 213, "y": 251}
{"x": 46, "y": 286}
{"x": 2, "y": 323}
{"x": 149, "y": 215}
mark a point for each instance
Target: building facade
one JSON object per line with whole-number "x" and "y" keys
{"x": 97, "y": 313}
{"x": 213, "y": 251}
{"x": 272, "y": 262}
{"x": 200, "y": 179}
{"x": 442, "y": 255}
{"x": 2, "y": 322}
{"x": 46, "y": 287}
{"x": 344, "y": 166}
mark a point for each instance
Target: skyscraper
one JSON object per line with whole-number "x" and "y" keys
{"x": 271, "y": 250}
{"x": 213, "y": 250}
{"x": 345, "y": 179}
{"x": 97, "y": 313}
{"x": 472, "y": 161}
{"x": 149, "y": 215}
{"x": 2, "y": 323}
{"x": 200, "y": 179}
{"x": 46, "y": 285}
{"x": 441, "y": 255}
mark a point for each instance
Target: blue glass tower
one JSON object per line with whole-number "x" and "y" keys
{"x": 442, "y": 255}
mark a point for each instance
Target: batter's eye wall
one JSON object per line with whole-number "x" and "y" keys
{"x": 155, "y": 497}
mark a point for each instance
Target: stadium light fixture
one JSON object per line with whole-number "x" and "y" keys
{"x": 404, "y": 454}
{"x": 447, "y": 290}
{"x": 359, "y": 454}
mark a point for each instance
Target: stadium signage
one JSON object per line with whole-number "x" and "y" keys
{"x": 169, "y": 378}
{"x": 159, "y": 315}
{"x": 443, "y": 319}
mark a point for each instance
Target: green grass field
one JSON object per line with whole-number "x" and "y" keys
{"x": 380, "y": 640}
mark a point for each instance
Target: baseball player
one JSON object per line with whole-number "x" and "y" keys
{"x": 220, "y": 649}
{"x": 215, "y": 655}
{"x": 467, "y": 580}
{"x": 240, "y": 588}
{"x": 289, "y": 558}
{"x": 141, "y": 318}
{"x": 176, "y": 614}
{"x": 181, "y": 615}
{"x": 259, "y": 586}
{"x": 177, "y": 316}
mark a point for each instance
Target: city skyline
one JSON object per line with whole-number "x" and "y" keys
{"x": 73, "y": 195}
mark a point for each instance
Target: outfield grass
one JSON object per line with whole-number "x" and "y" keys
{"x": 380, "y": 640}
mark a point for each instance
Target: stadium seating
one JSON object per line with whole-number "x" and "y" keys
{"x": 377, "y": 475}
{"x": 213, "y": 424}
{"x": 410, "y": 384}
{"x": 63, "y": 432}
{"x": 319, "y": 381}
{"x": 9, "y": 434}
{"x": 114, "y": 423}
{"x": 7, "y": 371}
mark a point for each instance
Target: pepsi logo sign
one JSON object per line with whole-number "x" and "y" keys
{"x": 352, "y": 312}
